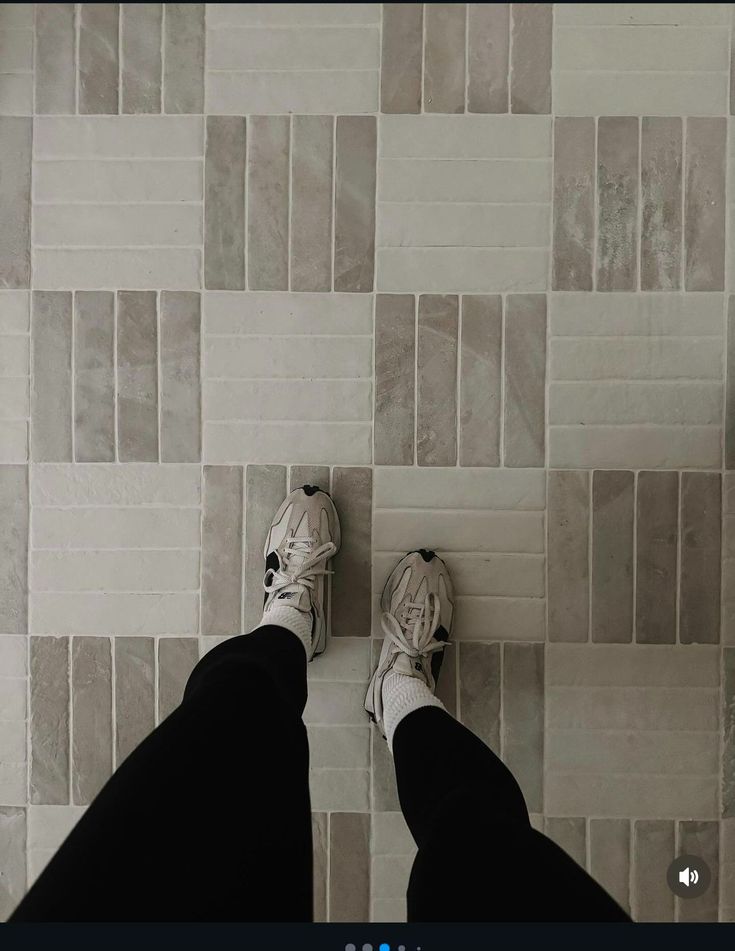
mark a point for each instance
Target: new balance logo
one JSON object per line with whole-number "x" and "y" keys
{"x": 417, "y": 666}
{"x": 286, "y": 595}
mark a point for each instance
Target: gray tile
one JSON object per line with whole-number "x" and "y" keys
{"x": 320, "y": 848}
{"x": 569, "y": 834}
{"x": 610, "y": 857}
{"x": 91, "y": 733}
{"x": 530, "y": 64}
{"x": 525, "y": 380}
{"x": 311, "y": 203}
{"x": 349, "y": 866}
{"x": 177, "y": 657}
{"x": 699, "y": 586}
{"x": 308, "y": 475}
{"x": 51, "y": 337}
{"x": 98, "y": 58}
{"x": 728, "y": 726}
{"x": 661, "y": 161}
{"x": 730, "y": 386}
{"x": 612, "y": 556}
{"x": 701, "y": 839}
{"x": 444, "y": 56}
{"x": 657, "y": 534}
{"x": 436, "y": 424}
{"x": 268, "y": 202}
{"x": 488, "y": 36}
{"x": 395, "y": 359}
{"x": 13, "y": 851}
{"x": 141, "y": 57}
{"x": 653, "y": 852}
{"x": 180, "y": 392}
{"x": 224, "y": 203}
{"x": 352, "y": 492}
{"x": 568, "y": 580}
{"x": 94, "y": 376}
{"x": 385, "y": 790}
{"x": 574, "y": 203}
{"x": 183, "y": 78}
{"x": 523, "y": 718}
{"x": 15, "y": 201}
{"x": 704, "y": 204}
{"x": 55, "y": 70}
{"x": 401, "y": 57}
{"x": 135, "y": 711}
{"x": 354, "y": 203}
{"x": 49, "y": 716}
{"x": 617, "y": 201}
{"x": 13, "y": 550}
{"x": 446, "y": 689}
{"x": 222, "y": 513}
{"x": 479, "y": 690}
{"x": 480, "y": 380}
{"x": 265, "y": 489}
{"x": 137, "y": 376}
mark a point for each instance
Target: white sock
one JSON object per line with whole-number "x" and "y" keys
{"x": 401, "y": 696}
{"x": 292, "y": 619}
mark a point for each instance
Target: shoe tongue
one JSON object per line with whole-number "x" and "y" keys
{"x": 409, "y": 666}
{"x": 295, "y": 596}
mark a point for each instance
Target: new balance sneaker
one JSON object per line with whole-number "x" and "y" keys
{"x": 417, "y": 605}
{"x": 303, "y": 537}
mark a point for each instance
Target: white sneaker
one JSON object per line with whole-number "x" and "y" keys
{"x": 304, "y": 535}
{"x": 418, "y": 605}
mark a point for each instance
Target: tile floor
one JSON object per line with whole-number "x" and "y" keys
{"x": 468, "y": 265}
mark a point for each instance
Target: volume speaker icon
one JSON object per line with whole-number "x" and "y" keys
{"x": 688, "y": 876}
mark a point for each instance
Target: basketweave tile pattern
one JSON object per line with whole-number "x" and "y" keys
{"x": 470, "y": 267}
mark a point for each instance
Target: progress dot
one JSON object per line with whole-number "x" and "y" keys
{"x": 350, "y": 947}
{"x": 367, "y": 947}
{"x": 384, "y": 947}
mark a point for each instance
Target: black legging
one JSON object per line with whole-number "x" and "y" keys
{"x": 209, "y": 818}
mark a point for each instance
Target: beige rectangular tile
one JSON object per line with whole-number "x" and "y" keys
{"x": 617, "y": 664}
{"x": 141, "y": 57}
{"x": 292, "y": 14}
{"x": 49, "y": 720}
{"x": 577, "y": 92}
{"x": 135, "y": 715}
{"x": 704, "y": 204}
{"x": 531, "y": 42}
{"x": 639, "y": 315}
{"x": 574, "y": 202}
{"x": 311, "y": 203}
{"x": 115, "y": 570}
{"x": 15, "y": 201}
{"x": 224, "y": 203}
{"x": 612, "y": 556}
{"x": 525, "y": 380}
{"x": 522, "y": 490}
{"x": 479, "y": 690}
{"x": 222, "y": 545}
{"x": 354, "y": 203}
{"x": 627, "y": 707}
{"x": 436, "y": 421}
{"x": 91, "y": 717}
{"x": 268, "y": 202}
{"x": 730, "y": 386}
{"x": 657, "y": 524}
{"x": 51, "y": 335}
{"x": 480, "y": 381}
{"x": 462, "y": 270}
{"x": 94, "y": 376}
{"x": 137, "y": 376}
{"x": 617, "y": 195}
{"x": 335, "y": 704}
{"x": 502, "y": 179}
{"x": 450, "y": 531}
{"x": 352, "y": 491}
{"x": 94, "y": 612}
{"x": 55, "y": 72}
{"x": 523, "y": 718}
{"x": 636, "y": 797}
{"x": 401, "y": 58}
{"x": 727, "y": 877}
{"x": 339, "y": 747}
{"x": 661, "y": 184}
{"x": 288, "y": 442}
{"x": 332, "y": 315}
{"x": 700, "y": 558}
{"x": 320, "y": 845}
{"x": 349, "y": 867}
{"x": 334, "y": 790}
{"x": 14, "y": 519}
{"x": 569, "y": 834}
{"x": 98, "y": 58}
{"x": 180, "y": 411}
{"x": 177, "y": 657}
{"x": 395, "y": 331}
{"x": 610, "y": 857}
{"x": 301, "y": 92}
{"x": 136, "y": 485}
{"x": 633, "y": 752}
{"x": 664, "y": 402}
{"x": 13, "y": 847}
{"x": 288, "y": 47}
{"x": 728, "y": 740}
{"x": 652, "y": 853}
{"x": 662, "y": 447}
{"x": 488, "y": 34}
{"x": 445, "y": 28}
{"x": 183, "y": 56}
{"x": 478, "y": 137}
{"x": 119, "y": 137}
{"x": 700, "y": 839}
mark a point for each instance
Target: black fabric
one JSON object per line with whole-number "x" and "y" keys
{"x": 209, "y": 818}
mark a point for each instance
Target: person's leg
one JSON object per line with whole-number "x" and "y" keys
{"x": 209, "y": 818}
{"x": 478, "y": 857}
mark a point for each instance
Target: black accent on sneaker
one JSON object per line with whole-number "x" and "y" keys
{"x": 438, "y": 656}
{"x": 426, "y": 553}
{"x": 313, "y": 620}
{"x": 272, "y": 563}
{"x": 310, "y": 489}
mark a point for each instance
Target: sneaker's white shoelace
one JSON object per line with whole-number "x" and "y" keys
{"x": 307, "y": 571}
{"x": 411, "y": 631}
